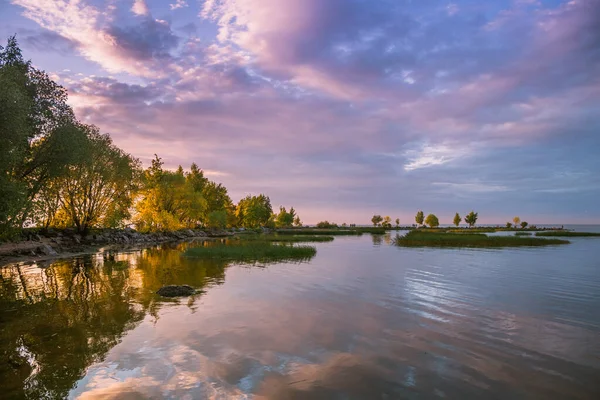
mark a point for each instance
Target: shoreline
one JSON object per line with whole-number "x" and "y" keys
{"x": 67, "y": 244}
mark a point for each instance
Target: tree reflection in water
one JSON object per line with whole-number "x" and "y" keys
{"x": 58, "y": 320}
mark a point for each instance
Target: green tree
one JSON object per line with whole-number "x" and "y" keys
{"x": 254, "y": 211}
{"x": 432, "y": 221}
{"x": 397, "y": 222}
{"x": 524, "y": 224}
{"x": 297, "y": 221}
{"x": 217, "y": 219}
{"x": 285, "y": 219}
{"x": 471, "y": 219}
{"x": 169, "y": 201}
{"x": 33, "y": 109}
{"x": 509, "y": 225}
{"x": 98, "y": 190}
{"x": 419, "y": 218}
{"x": 376, "y": 220}
{"x": 457, "y": 219}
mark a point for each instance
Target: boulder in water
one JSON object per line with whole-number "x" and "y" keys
{"x": 176, "y": 290}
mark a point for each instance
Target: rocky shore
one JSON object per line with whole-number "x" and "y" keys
{"x": 33, "y": 246}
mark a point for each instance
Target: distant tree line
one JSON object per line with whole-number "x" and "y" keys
{"x": 56, "y": 171}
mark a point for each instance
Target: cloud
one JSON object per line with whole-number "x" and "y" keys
{"x": 49, "y": 41}
{"x": 178, "y": 4}
{"x": 135, "y": 49}
{"x": 140, "y": 8}
{"x": 428, "y": 155}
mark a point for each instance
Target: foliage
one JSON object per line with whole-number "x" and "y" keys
{"x": 96, "y": 191}
{"x": 297, "y": 221}
{"x": 509, "y": 225}
{"x": 567, "y": 234}
{"x": 524, "y": 224}
{"x": 432, "y": 221}
{"x": 33, "y": 111}
{"x": 397, "y": 222}
{"x": 387, "y": 222}
{"x": 419, "y": 238}
{"x": 376, "y": 220}
{"x": 516, "y": 221}
{"x": 169, "y": 201}
{"x": 253, "y": 252}
{"x": 318, "y": 231}
{"x": 254, "y": 211}
{"x": 471, "y": 218}
{"x": 457, "y": 219}
{"x": 285, "y": 219}
{"x": 288, "y": 238}
{"x": 419, "y": 218}
{"x": 326, "y": 225}
{"x": 217, "y": 219}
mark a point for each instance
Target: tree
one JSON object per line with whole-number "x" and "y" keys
{"x": 457, "y": 219}
{"x": 326, "y": 225}
{"x": 285, "y": 219}
{"x": 33, "y": 109}
{"x": 419, "y": 218}
{"x": 516, "y": 221}
{"x": 169, "y": 201}
{"x": 217, "y": 219}
{"x": 376, "y": 220}
{"x": 471, "y": 219}
{"x": 297, "y": 221}
{"x": 524, "y": 224}
{"x": 96, "y": 190}
{"x": 387, "y": 222}
{"x": 254, "y": 211}
{"x": 509, "y": 225}
{"x": 432, "y": 221}
{"x": 397, "y": 222}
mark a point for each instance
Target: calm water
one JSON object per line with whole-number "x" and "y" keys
{"x": 362, "y": 320}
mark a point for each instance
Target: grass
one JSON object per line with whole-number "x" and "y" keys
{"x": 435, "y": 239}
{"x": 287, "y": 238}
{"x": 252, "y": 252}
{"x": 523, "y": 234}
{"x": 315, "y": 231}
{"x": 567, "y": 234}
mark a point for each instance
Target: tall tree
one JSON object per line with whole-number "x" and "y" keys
{"x": 419, "y": 218}
{"x": 397, "y": 222}
{"x": 98, "y": 190}
{"x": 33, "y": 116}
{"x": 457, "y": 219}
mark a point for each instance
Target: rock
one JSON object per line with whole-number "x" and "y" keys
{"x": 77, "y": 239}
{"x": 38, "y": 238}
{"x": 176, "y": 290}
{"x": 47, "y": 250}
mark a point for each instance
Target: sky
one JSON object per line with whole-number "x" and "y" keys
{"x": 343, "y": 108}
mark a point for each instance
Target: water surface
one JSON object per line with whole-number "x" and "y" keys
{"x": 362, "y": 320}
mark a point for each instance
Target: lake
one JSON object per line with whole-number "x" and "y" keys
{"x": 362, "y": 320}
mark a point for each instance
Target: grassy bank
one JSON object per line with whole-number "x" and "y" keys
{"x": 252, "y": 252}
{"x": 523, "y": 234}
{"x": 287, "y": 238}
{"x": 315, "y": 231}
{"x": 567, "y": 234}
{"x": 434, "y": 239}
